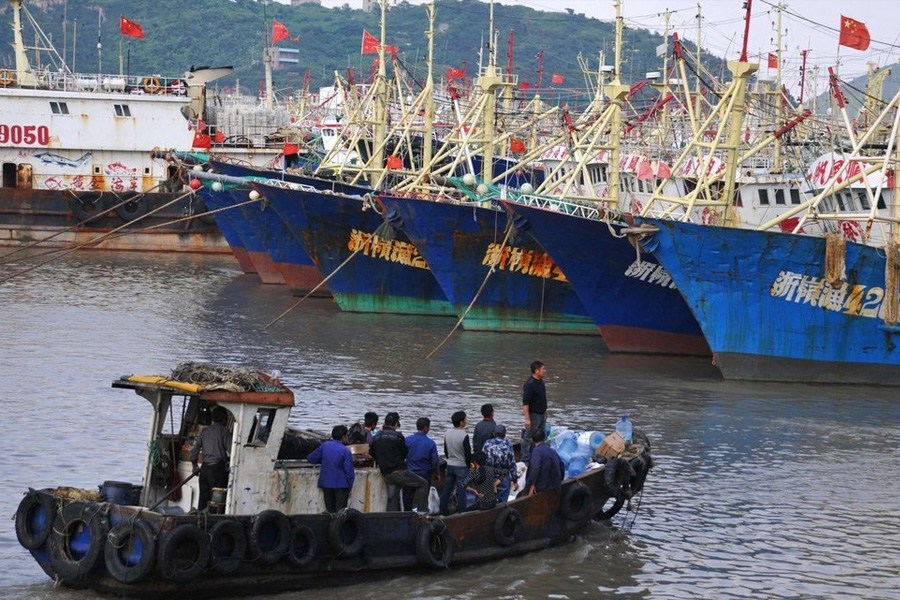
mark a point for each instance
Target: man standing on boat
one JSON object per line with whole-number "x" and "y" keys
{"x": 458, "y": 451}
{"x": 484, "y": 430}
{"x": 214, "y": 442}
{"x": 389, "y": 451}
{"x": 534, "y": 407}
{"x": 337, "y": 474}
{"x": 423, "y": 455}
{"x": 499, "y": 454}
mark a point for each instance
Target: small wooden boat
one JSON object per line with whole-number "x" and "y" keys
{"x": 268, "y": 532}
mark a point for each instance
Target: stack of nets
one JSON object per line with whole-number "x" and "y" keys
{"x": 221, "y": 377}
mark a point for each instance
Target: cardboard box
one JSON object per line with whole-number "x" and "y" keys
{"x": 612, "y": 446}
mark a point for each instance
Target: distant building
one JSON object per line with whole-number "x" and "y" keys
{"x": 369, "y": 5}
{"x": 299, "y": 2}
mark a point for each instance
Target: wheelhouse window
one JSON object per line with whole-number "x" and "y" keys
{"x": 122, "y": 110}
{"x": 779, "y": 196}
{"x": 262, "y": 427}
{"x": 59, "y": 108}
{"x": 763, "y": 196}
{"x": 795, "y": 196}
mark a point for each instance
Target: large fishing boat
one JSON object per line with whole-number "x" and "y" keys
{"x": 267, "y": 531}
{"x": 76, "y": 152}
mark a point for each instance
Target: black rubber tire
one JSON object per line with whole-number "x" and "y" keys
{"x": 303, "y": 546}
{"x": 227, "y": 546}
{"x": 270, "y": 536}
{"x": 130, "y": 550}
{"x": 87, "y": 205}
{"x": 612, "y": 511}
{"x": 347, "y": 532}
{"x": 76, "y": 544}
{"x": 34, "y": 519}
{"x": 434, "y": 545}
{"x": 183, "y": 553}
{"x": 507, "y": 526}
{"x": 131, "y": 205}
{"x": 576, "y": 503}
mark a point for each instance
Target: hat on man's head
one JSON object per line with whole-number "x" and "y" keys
{"x": 500, "y": 430}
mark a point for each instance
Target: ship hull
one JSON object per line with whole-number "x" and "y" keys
{"x": 766, "y": 308}
{"x": 635, "y": 304}
{"x": 526, "y": 293}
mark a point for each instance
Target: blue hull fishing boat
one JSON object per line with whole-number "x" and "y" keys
{"x": 527, "y": 291}
{"x": 774, "y": 307}
{"x": 632, "y": 300}
{"x": 369, "y": 266}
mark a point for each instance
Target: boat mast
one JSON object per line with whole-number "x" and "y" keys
{"x": 777, "y": 166}
{"x": 616, "y": 92}
{"x": 380, "y": 117}
{"x": 24, "y": 75}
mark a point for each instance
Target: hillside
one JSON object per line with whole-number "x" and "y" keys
{"x": 178, "y": 35}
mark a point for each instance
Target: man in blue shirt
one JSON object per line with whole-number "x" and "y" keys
{"x": 546, "y": 469}
{"x": 422, "y": 458}
{"x": 337, "y": 474}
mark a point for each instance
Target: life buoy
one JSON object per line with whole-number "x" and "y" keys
{"x": 227, "y": 546}
{"x": 507, "y": 525}
{"x": 7, "y": 77}
{"x": 434, "y": 544}
{"x": 347, "y": 532}
{"x": 576, "y": 502}
{"x": 303, "y": 546}
{"x": 131, "y": 206}
{"x": 183, "y": 553}
{"x": 151, "y": 84}
{"x": 130, "y": 550}
{"x": 34, "y": 519}
{"x": 76, "y": 543}
{"x": 270, "y": 536}
{"x": 87, "y": 206}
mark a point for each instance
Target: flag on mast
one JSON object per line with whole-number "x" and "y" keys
{"x": 280, "y": 32}
{"x": 854, "y": 34}
{"x": 130, "y": 28}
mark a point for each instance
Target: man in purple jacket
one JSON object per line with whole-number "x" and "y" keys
{"x": 336, "y": 475}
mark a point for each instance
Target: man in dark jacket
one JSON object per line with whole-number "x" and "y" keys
{"x": 546, "y": 470}
{"x": 389, "y": 451}
{"x": 214, "y": 442}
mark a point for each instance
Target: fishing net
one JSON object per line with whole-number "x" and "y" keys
{"x": 233, "y": 379}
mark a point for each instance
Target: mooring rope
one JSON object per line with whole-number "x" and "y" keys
{"x": 121, "y": 203}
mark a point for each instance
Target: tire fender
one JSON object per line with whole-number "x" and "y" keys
{"x": 270, "y": 536}
{"x": 130, "y": 552}
{"x": 576, "y": 503}
{"x": 77, "y": 541}
{"x": 434, "y": 544}
{"x": 183, "y": 553}
{"x": 227, "y": 546}
{"x": 347, "y": 532}
{"x": 303, "y": 546}
{"x": 34, "y": 519}
{"x": 507, "y": 526}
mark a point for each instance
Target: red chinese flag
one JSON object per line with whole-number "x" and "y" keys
{"x": 854, "y": 34}
{"x": 130, "y": 28}
{"x": 773, "y": 61}
{"x": 524, "y": 86}
{"x": 394, "y": 162}
{"x": 280, "y": 32}
{"x": 556, "y": 78}
{"x": 369, "y": 43}
{"x": 516, "y": 146}
{"x": 455, "y": 73}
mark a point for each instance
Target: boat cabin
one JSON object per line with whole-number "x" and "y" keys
{"x": 267, "y": 459}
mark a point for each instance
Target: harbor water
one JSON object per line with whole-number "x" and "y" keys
{"x": 760, "y": 490}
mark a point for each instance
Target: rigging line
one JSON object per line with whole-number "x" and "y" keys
{"x": 828, "y": 27}
{"x": 310, "y": 292}
{"x": 65, "y": 251}
{"x": 68, "y": 229}
{"x": 490, "y": 272}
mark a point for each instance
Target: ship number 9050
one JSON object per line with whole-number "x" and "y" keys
{"x": 28, "y": 135}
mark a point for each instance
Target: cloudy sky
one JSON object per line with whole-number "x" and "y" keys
{"x": 811, "y": 24}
